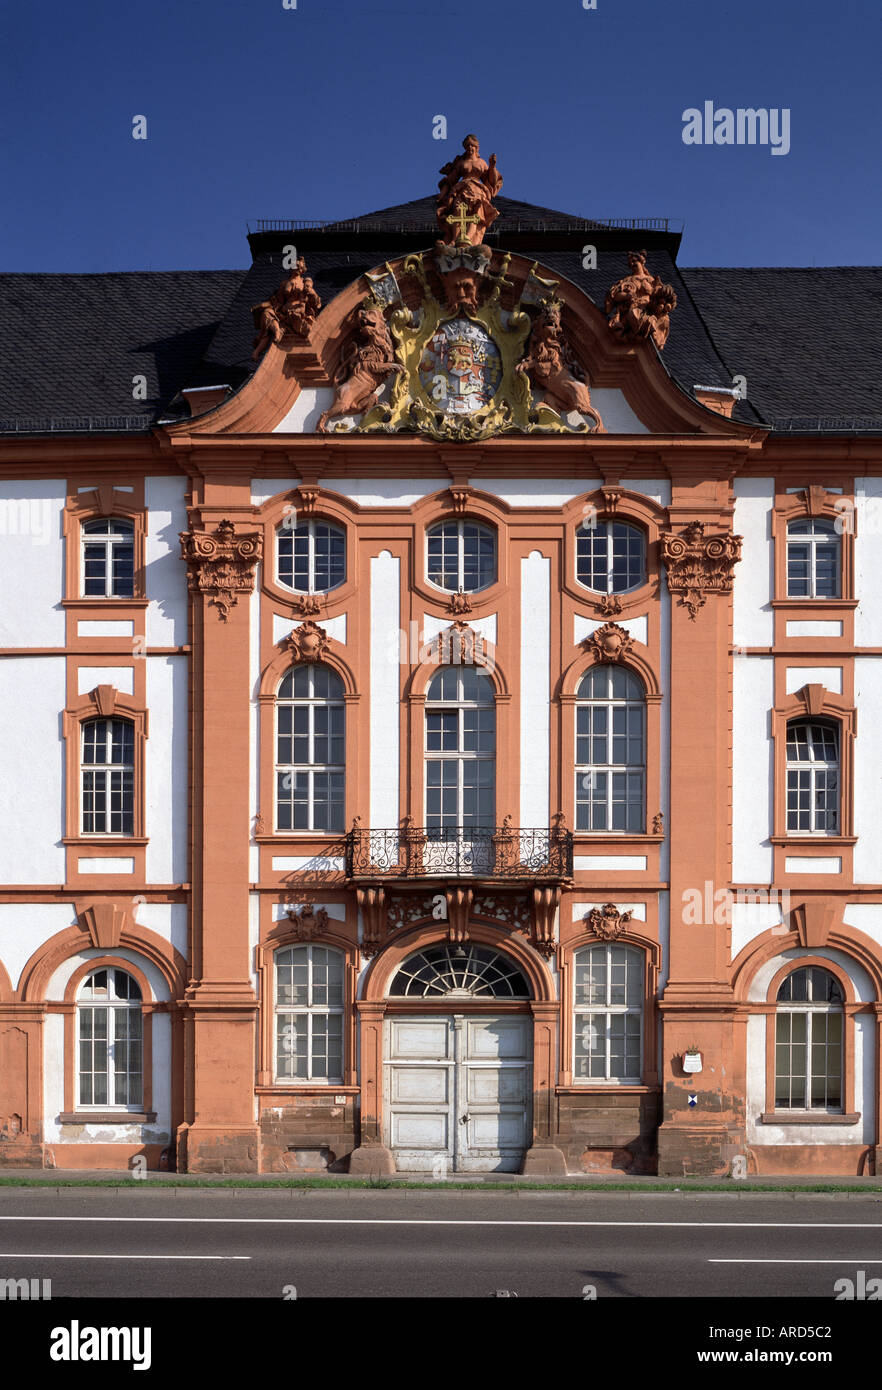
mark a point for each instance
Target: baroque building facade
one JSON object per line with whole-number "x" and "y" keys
{"x": 441, "y": 729}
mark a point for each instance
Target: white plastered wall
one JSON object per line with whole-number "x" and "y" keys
{"x": 166, "y": 574}
{"x": 867, "y": 768}
{"x": 385, "y": 712}
{"x": 535, "y": 689}
{"x": 32, "y": 697}
{"x": 31, "y": 562}
{"x": 752, "y": 768}
{"x": 166, "y": 770}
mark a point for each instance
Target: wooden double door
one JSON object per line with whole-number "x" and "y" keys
{"x": 457, "y": 1091}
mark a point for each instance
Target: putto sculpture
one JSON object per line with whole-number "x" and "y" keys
{"x": 466, "y": 192}
{"x": 292, "y": 309}
{"x": 640, "y": 304}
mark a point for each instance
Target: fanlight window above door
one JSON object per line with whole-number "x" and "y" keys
{"x": 450, "y": 972}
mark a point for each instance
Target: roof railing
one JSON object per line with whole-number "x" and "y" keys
{"x": 506, "y": 225}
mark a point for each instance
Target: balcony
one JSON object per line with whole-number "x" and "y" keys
{"x": 510, "y": 853}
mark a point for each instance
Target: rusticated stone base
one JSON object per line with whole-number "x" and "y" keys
{"x": 215, "y": 1150}
{"x": 372, "y": 1161}
{"x": 20, "y": 1153}
{"x": 308, "y": 1135}
{"x": 685, "y": 1151}
{"x": 544, "y": 1160}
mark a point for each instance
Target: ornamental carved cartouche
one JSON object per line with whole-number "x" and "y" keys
{"x": 699, "y": 565}
{"x": 221, "y": 564}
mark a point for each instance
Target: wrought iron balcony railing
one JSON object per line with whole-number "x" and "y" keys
{"x": 453, "y": 851}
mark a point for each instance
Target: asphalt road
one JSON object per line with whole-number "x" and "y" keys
{"x": 208, "y": 1243}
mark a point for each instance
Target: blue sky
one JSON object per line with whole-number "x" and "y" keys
{"x": 326, "y": 111}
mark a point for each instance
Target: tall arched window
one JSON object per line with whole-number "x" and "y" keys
{"x": 608, "y": 992}
{"x": 610, "y": 751}
{"x": 310, "y": 752}
{"x": 808, "y": 1041}
{"x": 311, "y": 557}
{"x": 108, "y": 558}
{"x": 813, "y": 558}
{"x": 461, "y": 555}
{"x": 460, "y": 749}
{"x": 812, "y": 777}
{"x": 110, "y": 1066}
{"x": 610, "y": 556}
{"x": 108, "y": 777}
{"x": 309, "y": 1014}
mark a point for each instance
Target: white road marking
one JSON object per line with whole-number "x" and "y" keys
{"x": 843, "y": 1259}
{"x": 430, "y": 1221}
{"x": 22, "y": 1255}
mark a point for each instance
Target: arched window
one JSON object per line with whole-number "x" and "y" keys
{"x": 442, "y": 972}
{"x": 110, "y": 1067}
{"x": 610, "y": 556}
{"x": 311, "y": 557}
{"x": 608, "y": 992}
{"x": 310, "y": 753}
{"x": 108, "y": 777}
{"x": 460, "y": 749}
{"x": 808, "y": 1041}
{"x": 610, "y": 751}
{"x": 461, "y": 555}
{"x": 813, "y": 559}
{"x": 309, "y": 1014}
{"x": 812, "y": 777}
{"x": 108, "y": 558}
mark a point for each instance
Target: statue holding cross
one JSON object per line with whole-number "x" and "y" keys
{"x": 467, "y": 188}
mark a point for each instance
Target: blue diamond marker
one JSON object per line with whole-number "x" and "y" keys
{"x": 693, "y": 1100}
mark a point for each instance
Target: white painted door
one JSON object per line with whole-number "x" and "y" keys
{"x": 457, "y": 1092}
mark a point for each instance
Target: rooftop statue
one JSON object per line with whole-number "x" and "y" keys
{"x": 640, "y": 304}
{"x": 467, "y": 188}
{"x": 292, "y": 309}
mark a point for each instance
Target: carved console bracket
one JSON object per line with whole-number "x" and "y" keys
{"x": 374, "y": 915}
{"x": 546, "y": 901}
{"x": 459, "y": 910}
{"x": 699, "y": 565}
{"x": 221, "y": 564}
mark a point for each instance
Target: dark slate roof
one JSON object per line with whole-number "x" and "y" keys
{"x": 71, "y": 344}
{"x": 807, "y": 339}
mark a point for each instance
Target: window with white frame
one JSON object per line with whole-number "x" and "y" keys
{"x": 309, "y": 1014}
{"x": 812, "y": 777}
{"x": 808, "y": 1041}
{"x": 608, "y": 991}
{"x": 108, "y": 777}
{"x": 610, "y": 752}
{"x": 311, "y": 557}
{"x": 310, "y": 750}
{"x": 460, "y": 749}
{"x": 813, "y": 558}
{"x": 610, "y": 556}
{"x": 108, "y": 569}
{"x": 461, "y": 555}
{"x": 110, "y": 1067}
